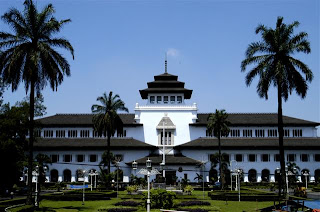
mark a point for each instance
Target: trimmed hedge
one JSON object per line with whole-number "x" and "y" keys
{"x": 192, "y": 209}
{"x": 191, "y": 203}
{"x": 128, "y": 203}
{"x": 26, "y": 208}
{"x": 77, "y": 196}
{"x": 118, "y": 209}
{"x": 245, "y": 196}
{"x": 6, "y": 203}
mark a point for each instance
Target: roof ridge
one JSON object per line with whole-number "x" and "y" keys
{"x": 245, "y": 113}
{"x": 83, "y": 114}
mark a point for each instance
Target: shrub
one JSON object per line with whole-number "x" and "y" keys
{"x": 188, "y": 189}
{"x": 195, "y": 202}
{"x": 132, "y": 188}
{"x": 160, "y": 198}
{"x": 25, "y": 208}
{"x": 118, "y": 209}
{"x": 128, "y": 203}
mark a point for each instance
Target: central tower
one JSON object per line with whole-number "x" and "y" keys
{"x": 166, "y": 116}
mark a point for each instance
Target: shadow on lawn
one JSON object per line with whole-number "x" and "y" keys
{"x": 62, "y": 209}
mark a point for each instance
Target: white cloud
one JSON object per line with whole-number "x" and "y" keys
{"x": 171, "y": 52}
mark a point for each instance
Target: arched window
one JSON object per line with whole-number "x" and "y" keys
{"x": 67, "y": 175}
{"x": 317, "y": 175}
{"x": 54, "y": 175}
{"x": 265, "y": 175}
{"x": 252, "y": 175}
{"x": 79, "y": 175}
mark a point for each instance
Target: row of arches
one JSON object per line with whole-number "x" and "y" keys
{"x": 67, "y": 175}
{"x": 265, "y": 175}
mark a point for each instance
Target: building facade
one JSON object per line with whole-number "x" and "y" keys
{"x": 168, "y": 125}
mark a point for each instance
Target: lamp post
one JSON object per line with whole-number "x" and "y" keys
{"x": 288, "y": 172}
{"x": 117, "y": 161}
{"x": 91, "y": 174}
{"x": 148, "y": 171}
{"x": 306, "y": 174}
{"x": 95, "y": 179}
{"x": 83, "y": 190}
{"x": 239, "y": 171}
{"x": 232, "y": 170}
{"x": 36, "y": 174}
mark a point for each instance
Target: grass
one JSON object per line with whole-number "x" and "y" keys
{"x": 75, "y": 206}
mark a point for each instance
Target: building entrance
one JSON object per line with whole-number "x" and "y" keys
{"x": 171, "y": 177}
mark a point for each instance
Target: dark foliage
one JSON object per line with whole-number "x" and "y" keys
{"x": 119, "y": 209}
{"x": 191, "y": 203}
{"x": 128, "y": 203}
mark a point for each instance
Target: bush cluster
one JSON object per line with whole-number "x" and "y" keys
{"x": 246, "y": 195}
{"x": 128, "y": 203}
{"x": 194, "y": 202}
{"x": 160, "y": 198}
{"x": 77, "y": 196}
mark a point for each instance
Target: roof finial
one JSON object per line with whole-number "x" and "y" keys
{"x": 165, "y": 64}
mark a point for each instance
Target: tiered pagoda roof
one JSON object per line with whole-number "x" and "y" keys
{"x": 165, "y": 83}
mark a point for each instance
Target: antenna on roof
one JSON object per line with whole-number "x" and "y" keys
{"x": 165, "y": 64}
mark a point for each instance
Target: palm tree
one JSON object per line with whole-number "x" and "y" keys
{"x": 29, "y": 56}
{"x": 106, "y": 121}
{"x": 215, "y": 160}
{"x": 219, "y": 126}
{"x": 276, "y": 66}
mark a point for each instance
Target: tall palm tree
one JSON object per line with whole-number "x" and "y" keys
{"x": 106, "y": 121}
{"x": 219, "y": 126}
{"x": 29, "y": 56}
{"x": 276, "y": 66}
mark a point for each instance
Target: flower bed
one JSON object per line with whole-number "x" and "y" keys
{"x": 128, "y": 203}
{"x": 194, "y": 202}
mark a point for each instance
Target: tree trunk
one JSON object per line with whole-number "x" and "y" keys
{"x": 220, "y": 167}
{"x": 282, "y": 178}
{"x": 31, "y": 138}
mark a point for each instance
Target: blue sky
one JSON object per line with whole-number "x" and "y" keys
{"x": 120, "y": 45}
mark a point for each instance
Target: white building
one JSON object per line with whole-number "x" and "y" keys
{"x": 252, "y": 145}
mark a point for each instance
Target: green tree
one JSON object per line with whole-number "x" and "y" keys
{"x": 106, "y": 120}
{"x": 214, "y": 159}
{"x": 275, "y": 65}
{"x": 13, "y": 131}
{"x": 29, "y": 56}
{"x": 218, "y": 125}
{"x": 41, "y": 161}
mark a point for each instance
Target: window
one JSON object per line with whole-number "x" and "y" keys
{"x": 72, "y": 133}
{"x": 119, "y": 157}
{"x": 37, "y": 133}
{"x": 247, "y": 133}
{"x": 179, "y": 99}
{"x": 209, "y": 134}
{"x": 317, "y": 157}
{"x": 80, "y": 158}
{"x": 272, "y": 133}
{"x": 286, "y": 133}
{"x": 84, "y": 133}
{"x": 265, "y": 158}
{"x": 304, "y": 157}
{"x": 67, "y": 158}
{"x": 122, "y": 134}
{"x": 291, "y": 157}
{"x": 168, "y": 139}
{"x": 225, "y": 158}
{"x": 239, "y": 157}
{"x": 252, "y": 158}
{"x": 96, "y": 134}
{"x": 259, "y": 133}
{"x": 54, "y": 158}
{"x": 235, "y": 133}
{"x": 48, "y": 133}
{"x": 60, "y": 133}
{"x": 93, "y": 158}
{"x": 185, "y": 176}
{"x": 277, "y": 158}
{"x": 297, "y": 133}
{"x": 159, "y": 98}
{"x": 152, "y": 99}
{"x": 172, "y": 99}
{"x": 165, "y": 99}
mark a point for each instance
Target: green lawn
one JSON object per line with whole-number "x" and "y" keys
{"x": 74, "y": 206}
